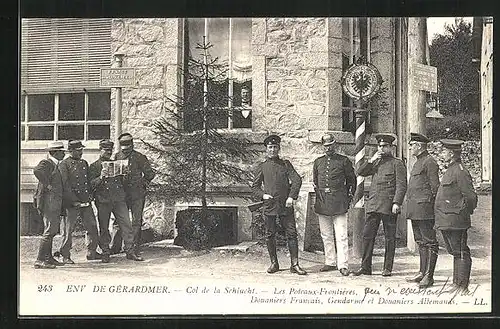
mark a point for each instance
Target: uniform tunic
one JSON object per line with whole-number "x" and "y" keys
{"x": 335, "y": 182}
{"x": 106, "y": 189}
{"x": 76, "y": 181}
{"x": 139, "y": 175}
{"x": 422, "y": 188}
{"x": 388, "y": 184}
{"x": 455, "y": 199}
{"x": 280, "y": 181}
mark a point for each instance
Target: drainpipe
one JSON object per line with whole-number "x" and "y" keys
{"x": 118, "y": 112}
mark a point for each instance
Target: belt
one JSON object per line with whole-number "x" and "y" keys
{"x": 326, "y": 190}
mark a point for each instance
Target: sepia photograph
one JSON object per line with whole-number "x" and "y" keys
{"x": 255, "y": 166}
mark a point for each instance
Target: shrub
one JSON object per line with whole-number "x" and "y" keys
{"x": 463, "y": 126}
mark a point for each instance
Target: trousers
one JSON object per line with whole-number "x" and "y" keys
{"x": 370, "y": 232}
{"x": 120, "y": 212}
{"x": 334, "y": 235}
{"x": 68, "y": 226}
{"x": 136, "y": 207}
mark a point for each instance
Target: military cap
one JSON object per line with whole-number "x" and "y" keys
{"x": 54, "y": 146}
{"x": 452, "y": 144}
{"x": 125, "y": 139}
{"x": 106, "y": 144}
{"x": 385, "y": 139}
{"x": 327, "y": 140}
{"x": 272, "y": 140}
{"x": 75, "y": 145}
{"x": 415, "y": 137}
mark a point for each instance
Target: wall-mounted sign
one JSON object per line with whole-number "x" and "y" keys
{"x": 424, "y": 77}
{"x": 361, "y": 81}
{"x": 118, "y": 77}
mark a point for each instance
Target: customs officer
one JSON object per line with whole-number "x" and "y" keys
{"x": 135, "y": 183}
{"x": 420, "y": 196}
{"x": 277, "y": 183}
{"x": 455, "y": 202}
{"x": 109, "y": 196}
{"x": 76, "y": 199}
{"x": 387, "y": 191}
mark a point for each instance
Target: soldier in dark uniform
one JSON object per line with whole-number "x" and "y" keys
{"x": 48, "y": 197}
{"x": 110, "y": 197}
{"x": 455, "y": 202}
{"x": 387, "y": 191}
{"x": 422, "y": 189}
{"x": 76, "y": 200}
{"x": 135, "y": 183}
{"x": 280, "y": 191}
{"x": 334, "y": 182}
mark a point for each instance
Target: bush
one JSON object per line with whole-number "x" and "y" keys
{"x": 463, "y": 126}
{"x": 198, "y": 231}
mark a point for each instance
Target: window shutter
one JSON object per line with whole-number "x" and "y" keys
{"x": 64, "y": 54}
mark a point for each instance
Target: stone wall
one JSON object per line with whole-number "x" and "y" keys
{"x": 152, "y": 46}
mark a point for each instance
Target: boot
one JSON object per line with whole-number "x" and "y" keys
{"x": 50, "y": 257}
{"x": 464, "y": 273}
{"x": 294, "y": 257}
{"x": 423, "y": 265}
{"x": 43, "y": 251}
{"x": 456, "y": 270}
{"x": 390, "y": 251}
{"x": 271, "y": 249}
{"x": 428, "y": 279}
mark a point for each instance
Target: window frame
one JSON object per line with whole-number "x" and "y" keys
{"x": 56, "y": 123}
{"x": 230, "y": 107}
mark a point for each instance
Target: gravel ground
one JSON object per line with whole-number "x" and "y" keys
{"x": 167, "y": 263}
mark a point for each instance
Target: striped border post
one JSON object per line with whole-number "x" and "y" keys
{"x": 358, "y": 209}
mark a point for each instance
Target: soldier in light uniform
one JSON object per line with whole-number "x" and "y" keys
{"x": 76, "y": 200}
{"x": 387, "y": 191}
{"x": 48, "y": 198}
{"x": 334, "y": 182}
{"x": 455, "y": 202}
{"x": 110, "y": 197}
{"x": 277, "y": 183}
{"x": 422, "y": 189}
{"x": 135, "y": 183}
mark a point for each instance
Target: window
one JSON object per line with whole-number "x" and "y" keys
{"x": 63, "y": 116}
{"x": 355, "y": 44}
{"x": 231, "y": 44}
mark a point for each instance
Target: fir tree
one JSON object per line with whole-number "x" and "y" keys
{"x": 193, "y": 157}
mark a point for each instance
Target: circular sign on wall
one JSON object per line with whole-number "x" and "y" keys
{"x": 361, "y": 81}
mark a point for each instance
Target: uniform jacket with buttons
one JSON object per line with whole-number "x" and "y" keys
{"x": 106, "y": 189}
{"x": 139, "y": 174}
{"x": 76, "y": 181}
{"x": 335, "y": 183}
{"x": 422, "y": 188}
{"x": 49, "y": 192}
{"x": 455, "y": 199}
{"x": 388, "y": 184}
{"x": 278, "y": 178}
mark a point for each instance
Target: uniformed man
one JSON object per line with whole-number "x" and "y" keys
{"x": 334, "y": 182}
{"x": 135, "y": 183}
{"x": 455, "y": 202}
{"x": 387, "y": 191}
{"x": 109, "y": 196}
{"x": 48, "y": 198}
{"x": 422, "y": 189}
{"x": 76, "y": 200}
{"x": 277, "y": 183}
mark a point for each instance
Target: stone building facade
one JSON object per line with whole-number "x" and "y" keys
{"x": 294, "y": 67}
